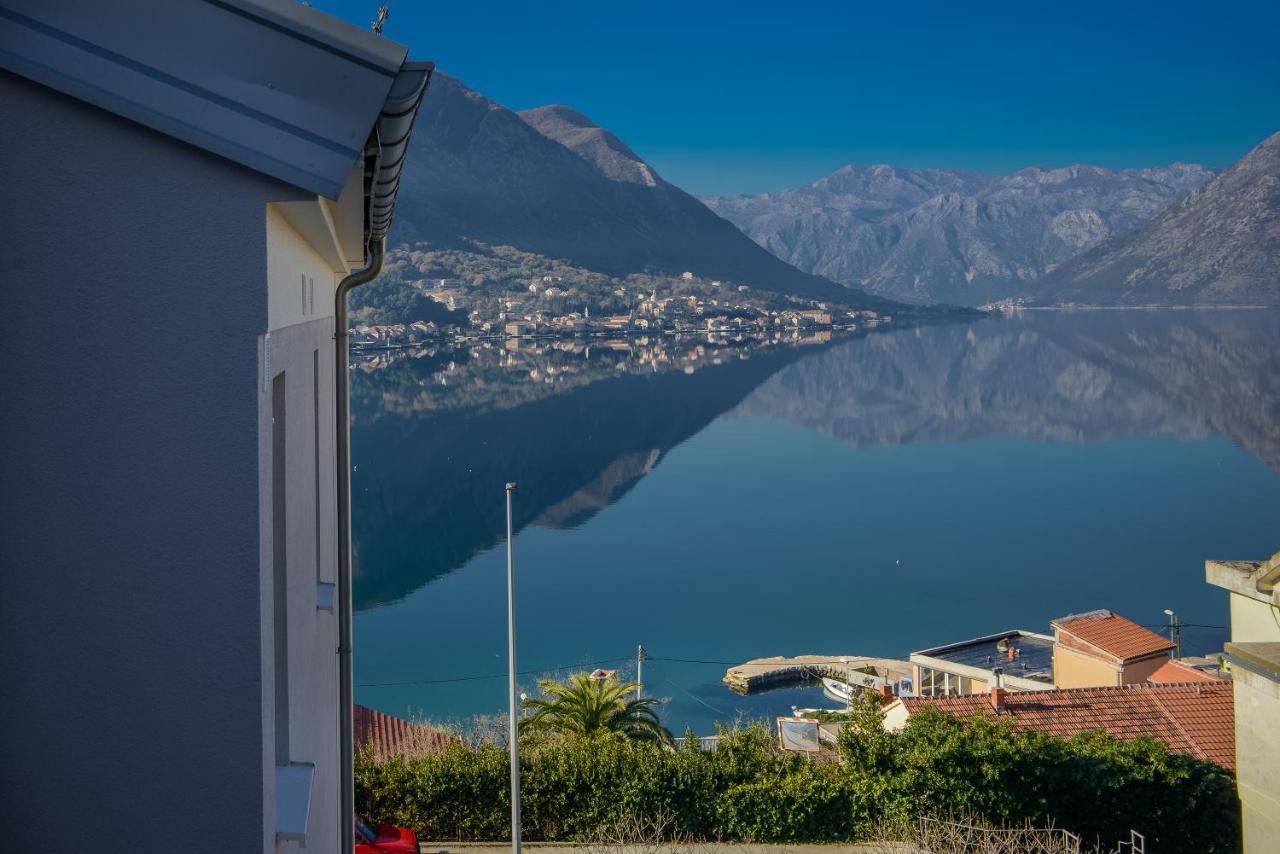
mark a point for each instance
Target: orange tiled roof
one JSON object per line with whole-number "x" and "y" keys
{"x": 1194, "y": 718}
{"x": 1113, "y": 634}
{"x": 1174, "y": 671}
{"x": 392, "y": 736}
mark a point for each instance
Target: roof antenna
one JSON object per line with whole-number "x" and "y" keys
{"x": 381, "y": 21}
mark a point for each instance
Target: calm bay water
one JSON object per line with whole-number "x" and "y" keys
{"x": 870, "y": 496}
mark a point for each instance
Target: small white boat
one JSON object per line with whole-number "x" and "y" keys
{"x": 840, "y": 690}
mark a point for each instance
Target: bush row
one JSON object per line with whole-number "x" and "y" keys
{"x": 748, "y": 790}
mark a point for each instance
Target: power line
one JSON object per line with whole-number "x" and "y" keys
{"x": 580, "y": 664}
{"x": 672, "y": 660}
{"x": 1185, "y": 626}
{"x": 494, "y": 675}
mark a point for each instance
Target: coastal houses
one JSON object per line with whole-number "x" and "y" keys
{"x": 1015, "y": 659}
{"x": 1101, "y": 648}
{"x": 1093, "y": 649}
{"x": 190, "y": 189}
{"x": 1196, "y": 719}
{"x": 386, "y": 736}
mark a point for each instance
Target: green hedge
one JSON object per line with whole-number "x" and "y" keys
{"x": 748, "y": 790}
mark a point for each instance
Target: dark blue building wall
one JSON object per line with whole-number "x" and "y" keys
{"x": 134, "y": 288}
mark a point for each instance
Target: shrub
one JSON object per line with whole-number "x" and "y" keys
{"x": 575, "y": 786}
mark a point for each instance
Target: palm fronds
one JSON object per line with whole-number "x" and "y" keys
{"x": 581, "y": 705}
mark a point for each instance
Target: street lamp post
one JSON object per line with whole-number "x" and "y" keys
{"x": 512, "y": 688}
{"x": 1175, "y": 632}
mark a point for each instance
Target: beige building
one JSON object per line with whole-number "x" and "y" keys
{"x": 1254, "y": 658}
{"x": 1099, "y": 648}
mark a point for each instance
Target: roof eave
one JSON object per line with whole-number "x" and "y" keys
{"x": 391, "y": 135}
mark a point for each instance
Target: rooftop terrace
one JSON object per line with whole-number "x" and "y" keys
{"x": 1034, "y": 659}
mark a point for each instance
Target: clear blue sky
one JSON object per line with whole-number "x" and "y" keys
{"x": 754, "y": 97}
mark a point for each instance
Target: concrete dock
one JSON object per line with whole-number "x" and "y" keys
{"x": 762, "y": 674}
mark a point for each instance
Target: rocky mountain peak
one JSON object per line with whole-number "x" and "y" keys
{"x": 592, "y": 143}
{"x": 1219, "y": 245}
{"x": 953, "y": 236}
{"x": 550, "y": 182}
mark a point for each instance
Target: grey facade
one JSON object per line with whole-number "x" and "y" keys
{"x": 167, "y": 445}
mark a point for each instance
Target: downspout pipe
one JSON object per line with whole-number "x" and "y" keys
{"x": 346, "y": 688}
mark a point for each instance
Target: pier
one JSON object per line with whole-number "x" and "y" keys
{"x": 763, "y": 674}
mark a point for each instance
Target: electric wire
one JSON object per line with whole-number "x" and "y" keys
{"x": 671, "y": 660}
{"x": 529, "y": 672}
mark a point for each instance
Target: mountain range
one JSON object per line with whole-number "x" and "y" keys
{"x": 552, "y": 183}
{"x": 941, "y": 235}
{"x": 1219, "y": 245}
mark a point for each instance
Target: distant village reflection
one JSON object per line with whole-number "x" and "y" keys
{"x": 466, "y": 372}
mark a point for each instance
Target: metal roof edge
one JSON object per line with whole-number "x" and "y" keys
{"x": 262, "y": 115}
{"x": 322, "y": 30}
{"x": 169, "y": 126}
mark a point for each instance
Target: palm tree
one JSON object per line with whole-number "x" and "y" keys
{"x": 584, "y": 706}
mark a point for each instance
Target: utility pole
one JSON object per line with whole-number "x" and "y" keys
{"x": 512, "y": 688}
{"x": 640, "y": 672}
{"x": 1175, "y": 632}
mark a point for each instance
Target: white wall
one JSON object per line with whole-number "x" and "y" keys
{"x": 300, "y": 347}
{"x": 1252, "y": 620}
{"x": 1257, "y": 703}
{"x": 300, "y": 282}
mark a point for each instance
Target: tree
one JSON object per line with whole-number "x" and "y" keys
{"x": 584, "y": 706}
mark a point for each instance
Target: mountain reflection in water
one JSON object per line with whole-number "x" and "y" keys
{"x": 437, "y": 432}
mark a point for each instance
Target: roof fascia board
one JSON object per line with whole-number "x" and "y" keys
{"x": 325, "y": 31}
{"x": 301, "y": 111}
{"x": 69, "y": 68}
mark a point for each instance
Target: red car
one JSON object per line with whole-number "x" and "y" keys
{"x": 388, "y": 839}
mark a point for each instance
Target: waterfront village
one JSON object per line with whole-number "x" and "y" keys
{"x": 504, "y": 293}
{"x": 650, "y": 313}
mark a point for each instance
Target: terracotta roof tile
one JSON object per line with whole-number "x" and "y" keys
{"x": 1113, "y": 634}
{"x": 1174, "y": 671}
{"x": 1195, "y": 718}
{"x": 392, "y": 736}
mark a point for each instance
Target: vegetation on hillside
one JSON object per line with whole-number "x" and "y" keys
{"x": 749, "y": 790}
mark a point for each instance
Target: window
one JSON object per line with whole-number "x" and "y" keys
{"x": 279, "y": 566}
